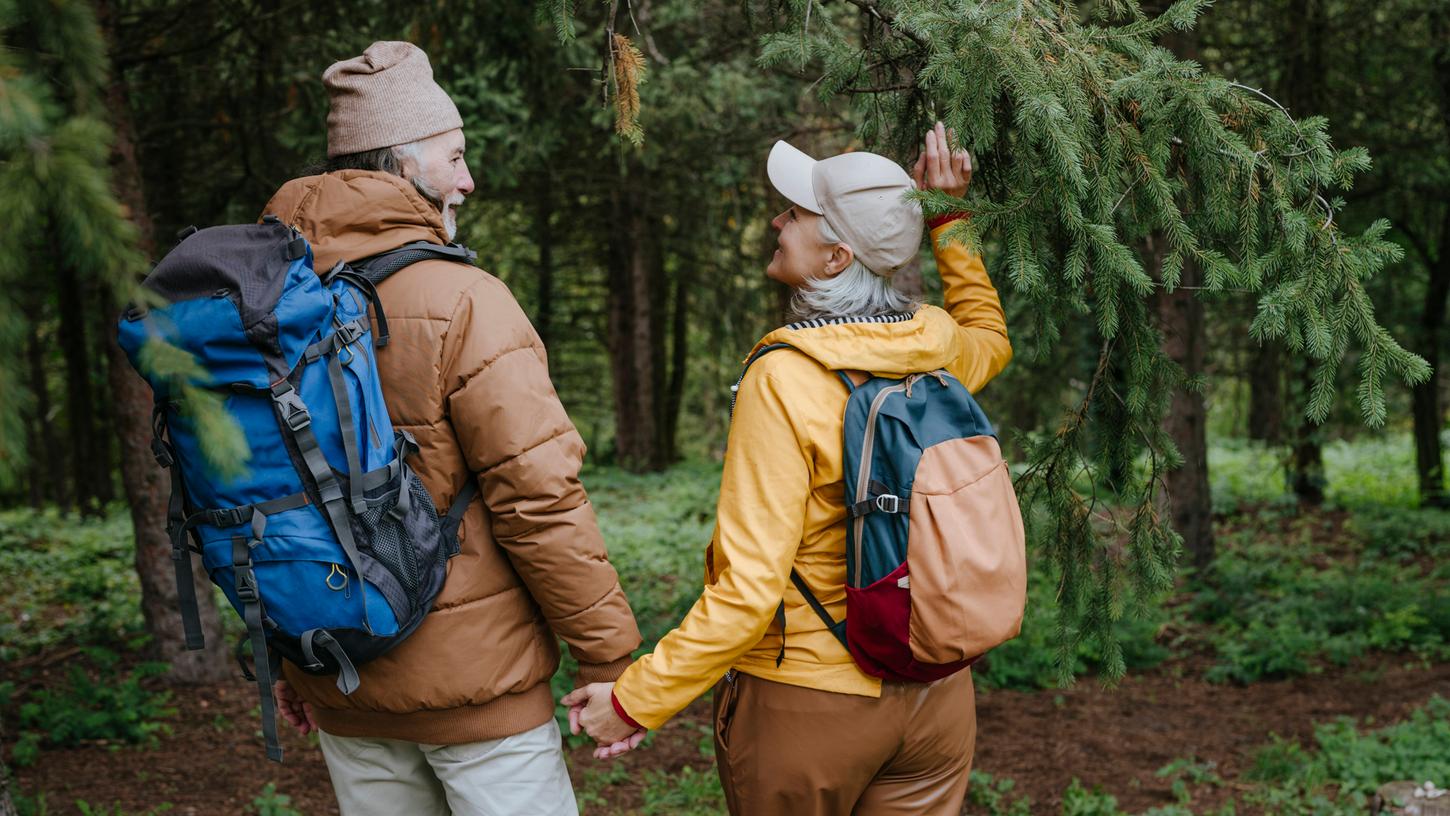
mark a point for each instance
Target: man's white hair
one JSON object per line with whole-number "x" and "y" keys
{"x": 855, "y": 292}
{"x": 414, "y": 151}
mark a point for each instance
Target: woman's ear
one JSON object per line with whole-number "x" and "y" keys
{"x": 841, "y": 257}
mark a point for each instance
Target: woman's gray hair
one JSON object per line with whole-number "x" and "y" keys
{"x": 855, "y": 292}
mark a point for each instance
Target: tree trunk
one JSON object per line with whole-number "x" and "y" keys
{"x": 7, "y": 803}
{"x": 1306, "y": 463}
{"x": 1428, "y": 412}
{"x": 636, "y": 343}
{"x": 78, "y": 397}
{"x": 44, "y": 455}
{"x": 1266, "y": 393}
{"x": 1181, "y": 320}
{"x": 1303, "y": 95}
{"x": 147, "y": 486}
{"x": 103, "y": 459}
{"x": 147, "y": 489}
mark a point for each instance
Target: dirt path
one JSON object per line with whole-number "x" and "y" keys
{"x": 213, "y": 763}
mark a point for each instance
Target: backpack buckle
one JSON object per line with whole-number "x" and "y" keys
{"x": 247, "y": 586}
{"x": 159, "y": 450}
{"x": 294, "y": 412}
{"x": 348, "y": 333}
{"x": 888, "y": 503}
{"x": 230, "y": 517}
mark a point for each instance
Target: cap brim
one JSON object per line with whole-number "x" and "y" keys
{"x": 790, "y": 171}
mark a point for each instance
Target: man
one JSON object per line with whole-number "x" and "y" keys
{"x": 458, "y": 718}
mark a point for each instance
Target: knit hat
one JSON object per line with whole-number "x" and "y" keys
{"x": 383, "y": 98}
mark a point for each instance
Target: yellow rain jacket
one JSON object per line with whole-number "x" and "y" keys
{"x": 782, "y": 495}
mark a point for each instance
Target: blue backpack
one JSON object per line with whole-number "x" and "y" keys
{"x": 329, "y": 546}
{"x": 936, "y": 563}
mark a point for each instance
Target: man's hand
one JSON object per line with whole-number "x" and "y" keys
{"x": 941, "y": 168}
{"x": 591, "y": 707}
{"x": 297, "y": 713}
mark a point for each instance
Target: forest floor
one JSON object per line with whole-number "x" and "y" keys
{"x": 1113, "y": 739}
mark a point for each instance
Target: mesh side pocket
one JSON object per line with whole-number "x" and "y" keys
{"x": 401, "y": 544}
{"x": 390, "y": 539}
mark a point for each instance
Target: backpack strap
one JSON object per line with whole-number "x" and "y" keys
{"x": 837, "y": 628}
{"x": 367, "y": 273}
{"x": 255, "y": 617}
{"x": 297, "y": 421}
{"x": 852, "y": 379}
{"x": 370, "y": 291}
{"x": 760, "y": 352}
{"x": 451, "y": 522}
{"x": 382, "y": 266}
{"x": 176, "y": 530}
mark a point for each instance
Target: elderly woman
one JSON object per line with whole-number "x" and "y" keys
{"x": 811, "y": 733}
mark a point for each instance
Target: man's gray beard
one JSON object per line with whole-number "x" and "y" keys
{"x": 450, "y": 220}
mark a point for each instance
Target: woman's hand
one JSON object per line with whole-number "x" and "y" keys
{"x": 941, "y": 168}
{"x": 591, "y": 707}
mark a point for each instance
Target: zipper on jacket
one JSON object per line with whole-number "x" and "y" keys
{"x": 863, "y": 474}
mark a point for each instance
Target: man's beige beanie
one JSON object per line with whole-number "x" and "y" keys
{"x": 383, "y": 98}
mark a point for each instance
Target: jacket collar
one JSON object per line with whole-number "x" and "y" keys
{"x": 354, "y": 214}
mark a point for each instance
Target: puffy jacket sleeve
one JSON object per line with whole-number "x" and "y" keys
{"x": 761, "y": 512}
{"x": 983, "y": 349}
{"x": 517, "y": 438}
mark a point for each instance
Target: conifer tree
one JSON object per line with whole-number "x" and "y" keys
{"x": 61, "y": 210}
{"x": 1093, "y": 138}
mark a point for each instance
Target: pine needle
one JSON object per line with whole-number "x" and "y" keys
{"x": 629, "y": 74}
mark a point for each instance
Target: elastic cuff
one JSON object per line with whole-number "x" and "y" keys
{"x": 623, "y": 715}
{"x": 603, "y": 672}
{"x": 942, "y": 220}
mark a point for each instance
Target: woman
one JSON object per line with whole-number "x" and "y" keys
{"x": 811, "y": 733}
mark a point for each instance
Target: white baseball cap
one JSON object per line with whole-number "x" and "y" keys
{"x": 862, "y": 198}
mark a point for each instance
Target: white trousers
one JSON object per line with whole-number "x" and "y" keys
{"x": 521, "y": 775}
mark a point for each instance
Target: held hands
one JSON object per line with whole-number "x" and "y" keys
{"x": 941, "y": 168}
{"x": 592, "y": 709}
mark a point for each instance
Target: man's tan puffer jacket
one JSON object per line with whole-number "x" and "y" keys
{"x": 466, "y": 374}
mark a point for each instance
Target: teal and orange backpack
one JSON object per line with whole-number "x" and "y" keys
{"x": 936, "y": 565}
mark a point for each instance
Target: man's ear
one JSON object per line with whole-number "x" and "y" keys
{"x": 841, "y": 257}
{"x": 406, "y": 166}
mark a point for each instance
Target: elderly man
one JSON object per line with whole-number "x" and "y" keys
{"x": 458, "y": 718}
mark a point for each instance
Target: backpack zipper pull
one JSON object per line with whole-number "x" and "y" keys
{"x": 343, "y": 587}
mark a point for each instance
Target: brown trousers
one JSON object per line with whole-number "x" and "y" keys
{"x": 784, "y": 749}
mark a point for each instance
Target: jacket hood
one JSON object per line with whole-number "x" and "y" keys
{"x": 889, "y": 345}
{"x": 354, "y": 214}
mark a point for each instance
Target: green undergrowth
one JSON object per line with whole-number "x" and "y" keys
{"x": 98, "y": 702}
{"x": 1370, "y": 471}
{"x": 68, "y": 581}
{"x": 1288, "y": 596}
{"x": 1334, "y": 776}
